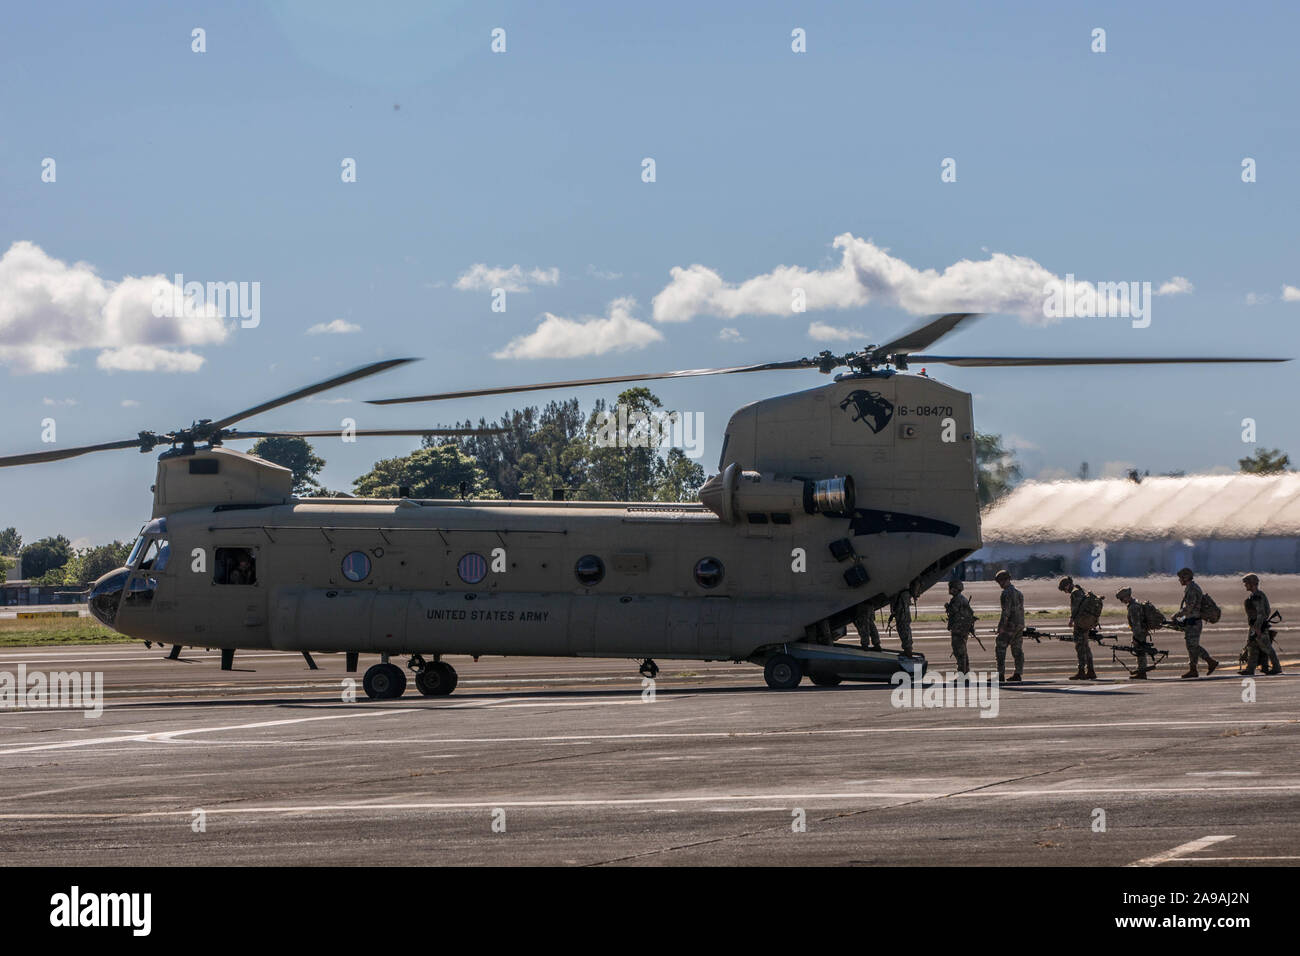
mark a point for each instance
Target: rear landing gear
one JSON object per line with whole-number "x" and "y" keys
{"x": 436, "y": 680}
{"x": 384, "y": 682}
{"x": 782, "y": 672}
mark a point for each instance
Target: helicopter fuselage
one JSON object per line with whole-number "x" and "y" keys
{"x": 232, "y": 560}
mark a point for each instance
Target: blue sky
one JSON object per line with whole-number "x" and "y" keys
{"x": 225, "y": 166}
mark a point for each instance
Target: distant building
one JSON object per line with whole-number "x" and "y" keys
{"x": 1214, "y": 524}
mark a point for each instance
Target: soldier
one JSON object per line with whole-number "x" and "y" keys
{"x": 902, "y": 611}
{"x": 1138, "y": 625}
{"x": 1011, "y": 627}
{"x": 1189, "y": 615}
{"x": 1258, "y": 611}
{"x": 865, "y": 621}
{"x": 961, "y": 623}
{"x": 1082, "y": 645}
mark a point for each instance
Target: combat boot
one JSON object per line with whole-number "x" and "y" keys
{"x": 1191, "y": 672}
{"x": 1138, "y": 675}
{"x": 1210, "y": 665}
{"x": 1014, "y": 678}
{"x": 1079, "y": 675}
{"x": 1090, "y": 675}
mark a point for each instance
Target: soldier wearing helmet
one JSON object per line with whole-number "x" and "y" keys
{"x": 961, "y": 623}
{"x": 1189, "y": 615}
{"x": 1260, "y": 642}
{"x": 1082, "y": 646}
{"x": 1011, "y": 627}
{"x": 1137, "y": 624}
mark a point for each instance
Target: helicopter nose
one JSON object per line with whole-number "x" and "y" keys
{"x": 106, "y": 594}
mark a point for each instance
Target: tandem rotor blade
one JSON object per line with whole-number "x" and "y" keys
{"x": 56, "y": 455}
{"x": 352, "y": 376}
{"x": 992, "y": 361}
{"x": 923, "y": 335}
{"x": 367, "y": 432}
{"x": 607, "y": 380}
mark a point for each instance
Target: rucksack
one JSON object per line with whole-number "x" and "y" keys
{"x": 1089, "y": 615}
{"x": 1152, "y": 617}
{"x": 1209, "y": 611}
{"x": 961, "y": 618}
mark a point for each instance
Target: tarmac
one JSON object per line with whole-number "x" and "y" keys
{"x": 575, "y": 762}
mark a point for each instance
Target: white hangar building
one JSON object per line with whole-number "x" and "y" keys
{"x": 1214, "y": 524}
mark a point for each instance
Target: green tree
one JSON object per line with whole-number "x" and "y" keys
{"x": 1266, "y": 461}
{"x": 435, "y": 472}
{"x": 93, "y": 563}
{"x": 535, "y": 453}
{"x": 998, "y": 470}
{"x": 11, "y": 542}
{"x": 45, "y": 555}
{"x": 297, "y": 455}
{"x": 680, "y": 479}
{"x": 624, "y": 462}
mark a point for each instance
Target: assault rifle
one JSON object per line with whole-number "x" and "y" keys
{"x": 1093, "y": 635}
{"x": 1155, "y": 654}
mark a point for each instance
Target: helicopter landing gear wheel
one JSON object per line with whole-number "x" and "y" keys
{"x": 649, "y": 669}
{"x": 437, "y": 679}
{"x": 825, "y": 680}
{"x": 384, "y": 682}
{"x": 782, "y": 672}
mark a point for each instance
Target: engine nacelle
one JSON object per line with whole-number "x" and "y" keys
{"x": 735, "y": 494}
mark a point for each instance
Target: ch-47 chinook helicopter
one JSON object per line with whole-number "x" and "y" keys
{"x": 827, "y": 502}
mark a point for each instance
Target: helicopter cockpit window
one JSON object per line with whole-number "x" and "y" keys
{"x": 155, "y": 555}
{"x": 236, "y": 566}
{"x": 151, "y": 531}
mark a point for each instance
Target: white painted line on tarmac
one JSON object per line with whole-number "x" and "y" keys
{"x": 166, "y": 736}
{"x": 1181, "y": 850}
{"x": 784, "y": 799}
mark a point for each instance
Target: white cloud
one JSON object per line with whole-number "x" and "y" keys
{"x": 731, "y": 335}
{"x": 557, "y": 337}
{"x": 821, "y": 332}
{"x": 1290, "y": 293}
{"x": 148, "y": 358}
{"x": 1255, "y": 298}
{"x": 511, "y": 278}
{"x": 866, "y": 274}
{"x": 130, "y": 403}
{"x": 1177, "y": 285}
{"x": 58, "y": 401}
{"x": 50, "y": 310}
{"x": 337, "y": 327}
{"x": 602, "y": 274}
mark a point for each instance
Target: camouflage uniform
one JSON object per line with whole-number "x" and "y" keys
{"x": 902, "y": 608}
{"x": 959, "y": 625}
{"x": 1138, "y": 625}
{"x": 865, "y": 622}
{"x": 1011, "y": 629}
{"x": 1189, "y": 612}
{"x": 1258, "y": 611}
{"x": 1082, "y": 645}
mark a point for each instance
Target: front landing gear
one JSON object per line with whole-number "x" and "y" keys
{"x": 782, "y": 672}
{"x": 649, "y": 669}
{"x": 384, "y": 682}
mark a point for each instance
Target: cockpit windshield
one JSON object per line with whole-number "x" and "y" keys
{"x": 149, "y": 535}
